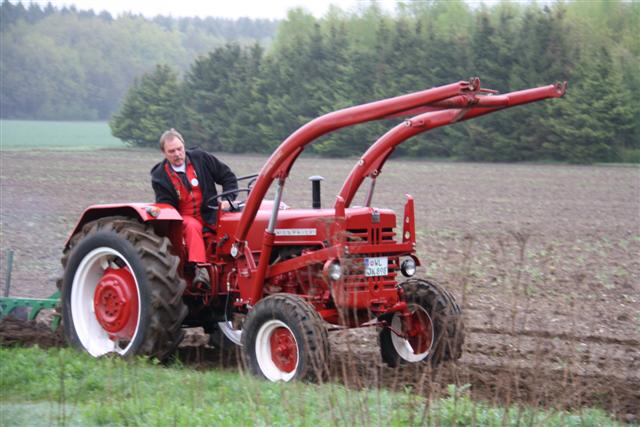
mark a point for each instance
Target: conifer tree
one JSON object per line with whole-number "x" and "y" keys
{"x": 151, "y": 106}
{"x": 594, "y": 120}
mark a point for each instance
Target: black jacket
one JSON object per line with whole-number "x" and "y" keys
{"x": 210, "y": 171}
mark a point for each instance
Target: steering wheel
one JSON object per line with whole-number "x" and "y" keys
{"x": 252, "y": 180}
{"x": 212, "y": 203}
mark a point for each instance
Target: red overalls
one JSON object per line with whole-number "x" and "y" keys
{"x": 189, "y": 208}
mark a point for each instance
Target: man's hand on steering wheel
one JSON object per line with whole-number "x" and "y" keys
{"x": 225, "y": 200}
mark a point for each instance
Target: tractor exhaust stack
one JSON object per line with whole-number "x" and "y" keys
{"x": 315, "y": 191}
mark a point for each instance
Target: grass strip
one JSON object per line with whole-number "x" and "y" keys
{"x": 62, "y": 386}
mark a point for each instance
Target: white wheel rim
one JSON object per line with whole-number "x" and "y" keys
{"x": 401, "y": 345}
{"x": 234, "y": 335}
{"x": 264, "y": 356}
{"x": 90, "y": 333}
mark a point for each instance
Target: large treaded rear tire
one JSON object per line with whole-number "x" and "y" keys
{"x": 446, "y": 317}
{"x": 159, "y": 285}
{"x": 301, "y": 326}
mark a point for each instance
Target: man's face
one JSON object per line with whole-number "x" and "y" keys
{"x": 174, "y": 151}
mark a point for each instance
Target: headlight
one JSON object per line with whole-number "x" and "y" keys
{"x": 408, "y": 267}
{"x": 334, "y": 271}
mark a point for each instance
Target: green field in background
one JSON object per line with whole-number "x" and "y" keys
{"x": 27, "y": 134}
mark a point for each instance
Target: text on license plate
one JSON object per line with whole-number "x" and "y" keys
{"x": 377, "y": 266}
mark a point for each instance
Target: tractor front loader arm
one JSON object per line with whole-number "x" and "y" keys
{"x": 437, "y": 107}
{"x": 443, "y": 113}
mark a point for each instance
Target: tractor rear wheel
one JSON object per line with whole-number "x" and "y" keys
{"x": 438, "y": 322}
{"x": 121, "y": 290}
{"x": 284, "y": 339}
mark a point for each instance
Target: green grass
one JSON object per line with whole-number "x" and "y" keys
{"x": 29, "y": 135}
{"x": 60, "y": 386}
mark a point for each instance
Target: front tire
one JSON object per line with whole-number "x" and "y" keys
{"x": 121, "y": 290}
{"x": 284, "y": 339}
{"x": 442, "y": 328}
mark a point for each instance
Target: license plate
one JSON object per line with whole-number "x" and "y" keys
{"x": 378, "y": 266}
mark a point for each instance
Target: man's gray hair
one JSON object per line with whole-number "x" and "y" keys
{"x": 169, "y": 134}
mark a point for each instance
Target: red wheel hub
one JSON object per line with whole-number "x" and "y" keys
{"x": 115, "y": 302}
{"x": 420, "y": 336}
{"x": 284, "y": 351}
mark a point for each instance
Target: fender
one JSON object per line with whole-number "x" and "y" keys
{"x": 145, "y": 212}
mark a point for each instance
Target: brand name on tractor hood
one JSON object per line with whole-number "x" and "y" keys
{"x": 296, "y": 231}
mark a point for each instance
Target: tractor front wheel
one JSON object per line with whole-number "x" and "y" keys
{"x": 121, "y": 291}
{"x": 436, "y": 321}
{"x": 284, "y": 339}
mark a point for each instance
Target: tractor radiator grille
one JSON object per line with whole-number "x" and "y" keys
{"x": 371, "y": 236}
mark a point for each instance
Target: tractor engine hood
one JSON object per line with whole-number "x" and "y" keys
{"x": 309, "y": 227}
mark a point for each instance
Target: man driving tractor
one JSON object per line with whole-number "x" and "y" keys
{"x": 186, "y": 180}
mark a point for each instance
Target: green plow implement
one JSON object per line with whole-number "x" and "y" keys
{"x": 29, "y": 308}
{"x": 26, "y": 308}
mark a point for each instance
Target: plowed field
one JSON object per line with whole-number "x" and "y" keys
{"x": 545, "y": 260}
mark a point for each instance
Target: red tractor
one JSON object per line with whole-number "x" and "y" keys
{"x": 281, "y": 277}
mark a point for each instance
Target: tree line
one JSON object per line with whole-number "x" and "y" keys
{"x": 242, "y": 99}
{"x": 242, "y": 96}
{"x": 69, "y": 64}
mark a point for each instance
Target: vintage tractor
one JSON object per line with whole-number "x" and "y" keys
{"x": 281, "y": 277}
